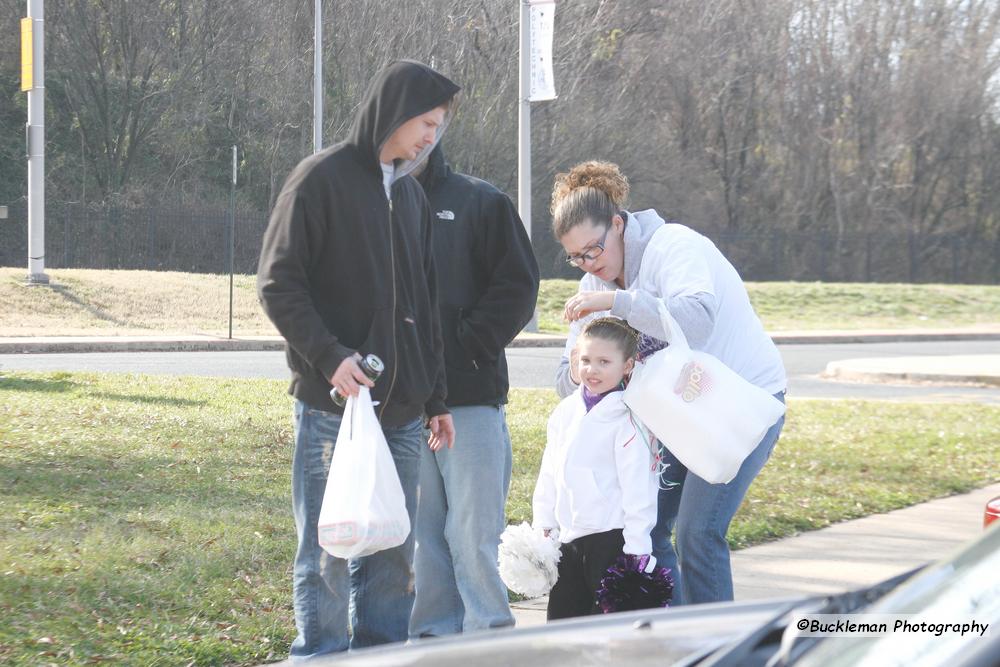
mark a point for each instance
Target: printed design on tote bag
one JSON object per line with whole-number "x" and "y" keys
{"x": 692, "y": 382}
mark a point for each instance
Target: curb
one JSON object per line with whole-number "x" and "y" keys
{"x": 845, "y": 337}
{"x": 538, "y": 340}
{"x": 866, "y": 370}
{"x": 68, "y": 344}
{"x": 57, "y": 345}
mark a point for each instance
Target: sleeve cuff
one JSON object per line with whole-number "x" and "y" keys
{"x": 637, "y": 545}
{"x": 621, "y": 307}
{"x": 543, "y": 520}
{"x": 435, "y": 407}
{"x": 331, "y": 360}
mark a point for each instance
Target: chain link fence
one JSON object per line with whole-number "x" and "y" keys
{"x": 194, "y": 240}
{"x": 197, "y": 240}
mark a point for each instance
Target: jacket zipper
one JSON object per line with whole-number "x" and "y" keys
{"x": 395, "y": 356}
{"x": 461, "y": 314}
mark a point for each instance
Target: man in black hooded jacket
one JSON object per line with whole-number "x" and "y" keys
{"x": 487, "y": 286}
{"x": 347, "y": 269}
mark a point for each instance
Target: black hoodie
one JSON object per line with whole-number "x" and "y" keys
{"x": 487, "y": 280}
{"x": 343, "y": 270}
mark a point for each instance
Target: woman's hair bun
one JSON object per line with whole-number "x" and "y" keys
{"x": 603, "y": 176}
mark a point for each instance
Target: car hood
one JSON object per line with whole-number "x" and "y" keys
{"x": 653, "y": 637}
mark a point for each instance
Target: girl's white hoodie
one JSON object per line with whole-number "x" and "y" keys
{"x": 597, "y": 474}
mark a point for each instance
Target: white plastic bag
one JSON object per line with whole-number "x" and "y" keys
{"x": 708, "y": 416}
{"x": 364, "y": 509}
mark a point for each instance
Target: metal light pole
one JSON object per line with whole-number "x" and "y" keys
{"x": 232, "y": 240}
{"x": 318, "y": 77}
{"x": 524, "y": 118}
{"x": 35, "y": 134}
{"x": 524, "y": 131}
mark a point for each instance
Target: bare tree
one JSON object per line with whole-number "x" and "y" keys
{"x": 871, "y": 125}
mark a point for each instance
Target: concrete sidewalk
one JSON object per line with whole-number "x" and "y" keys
{"x": 844, "y": 556}
{"x": 208, "y": 342}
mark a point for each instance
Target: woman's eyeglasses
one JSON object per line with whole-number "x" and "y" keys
{"x": 593, "y": 252}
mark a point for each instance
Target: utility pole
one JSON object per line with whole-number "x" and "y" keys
{"x": 524, "y": 118}
{"x": 524, "y": 132}
{"x": 232, "y": 240}
{"x": 318, "y": 77}
{"x": 33, "y": 82}
{"x": 534, "y": 83}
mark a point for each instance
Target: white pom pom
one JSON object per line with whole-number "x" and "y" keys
{"x": 528, "y": 560}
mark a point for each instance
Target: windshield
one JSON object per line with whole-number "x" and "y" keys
{"x": 965, "y": 586}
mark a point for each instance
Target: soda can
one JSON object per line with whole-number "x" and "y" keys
{"x": 371, "y": 366}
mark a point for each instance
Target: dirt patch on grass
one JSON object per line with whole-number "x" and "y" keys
{"x": 88, "y": 302}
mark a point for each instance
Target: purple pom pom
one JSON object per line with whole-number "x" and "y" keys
{"x": 626, "y": 586}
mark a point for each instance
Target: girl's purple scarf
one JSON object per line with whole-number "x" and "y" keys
{"x": 590, "y": 399}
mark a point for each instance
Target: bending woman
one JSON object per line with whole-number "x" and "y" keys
{"x": 632, "y": 262}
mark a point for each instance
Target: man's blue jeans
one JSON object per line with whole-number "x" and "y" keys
{"x": 376, "y": 590}
{"x": 700, "y": 513}
{"x": 459, "y": 520}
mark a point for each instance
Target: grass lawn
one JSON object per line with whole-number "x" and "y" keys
{"x": 784, "y": 306}
{"x": 146, "y": 520}
{"x": 90, "y": 302}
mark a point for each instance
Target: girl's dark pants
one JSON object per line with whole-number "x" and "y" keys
{"x": 583, "y": 564}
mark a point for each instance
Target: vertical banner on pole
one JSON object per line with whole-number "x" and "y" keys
{"x": 27, "y": 55}
{"x": 543, "y": 15}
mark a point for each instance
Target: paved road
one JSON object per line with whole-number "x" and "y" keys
{"x": 804, "y": 364}
{"x": 535, "y": 367}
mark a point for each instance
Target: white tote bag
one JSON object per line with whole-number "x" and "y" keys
{"x": 364, "y": 509}
{"x": 708, "y": 416}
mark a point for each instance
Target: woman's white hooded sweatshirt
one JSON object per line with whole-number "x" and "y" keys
{"x": 597, "y": 474}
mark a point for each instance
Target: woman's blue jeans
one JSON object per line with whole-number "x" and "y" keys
{"x": 699, "y": 513}
{"x": 371, "y": 595}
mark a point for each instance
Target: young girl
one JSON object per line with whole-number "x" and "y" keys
{"x": 598, "y": 484}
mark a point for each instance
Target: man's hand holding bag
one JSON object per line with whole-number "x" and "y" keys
{"x": 364, "y": 509}
{"x": 708, "y": 416}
